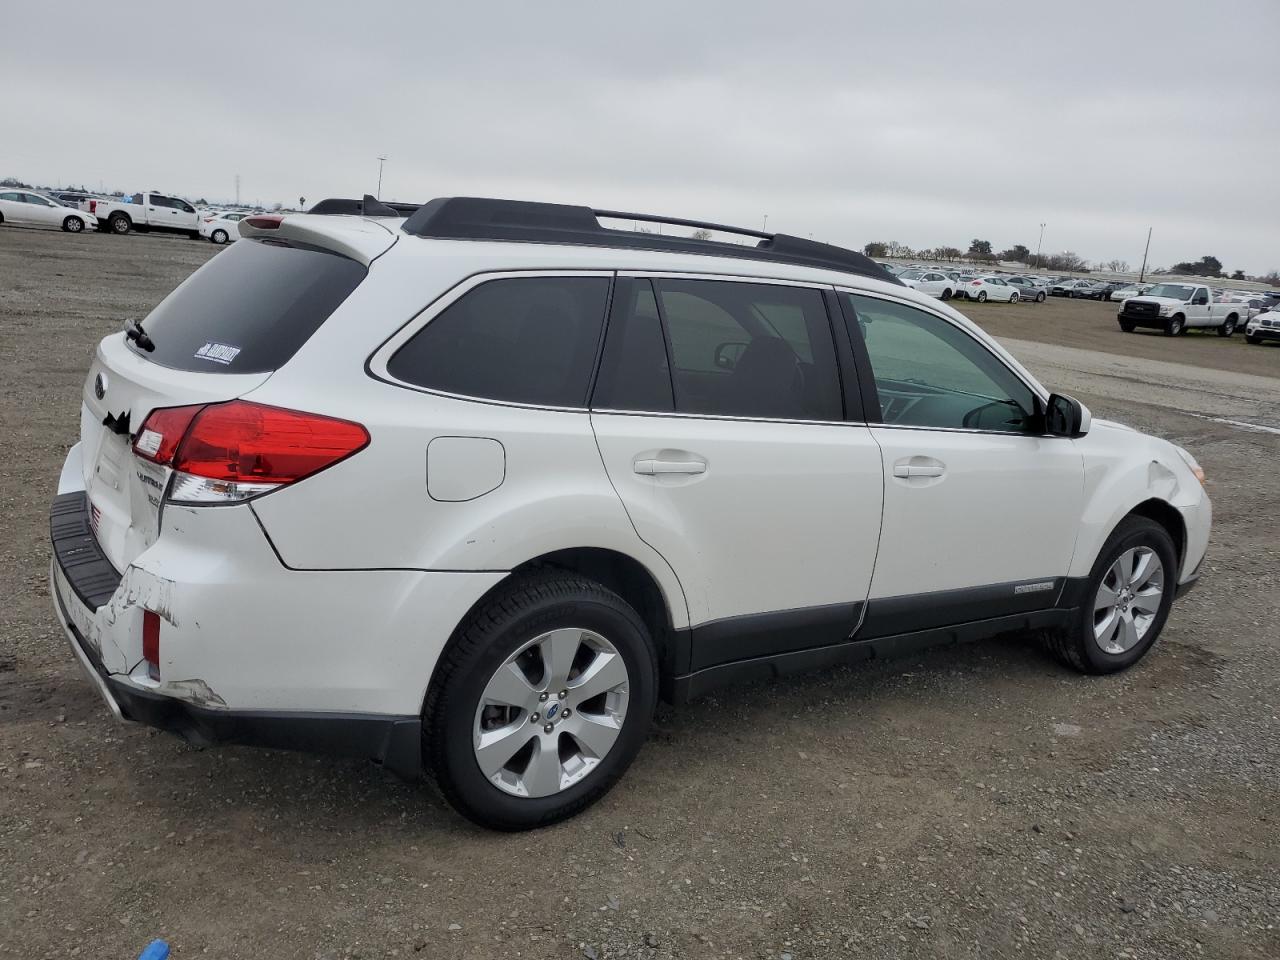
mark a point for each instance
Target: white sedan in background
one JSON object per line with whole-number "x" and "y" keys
{"x": 933, "y": 282}
{"x": 987, "y": 288}
{"x": 23, "y": 206}
{"x": 221, "y": 227}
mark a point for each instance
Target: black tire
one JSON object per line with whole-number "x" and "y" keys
{"x": 1252, "y": 339}
{"x": 1014, "y": 297}
{"x": 515, "y": 614}
{"x": 218, "y": 237}
{"x": 982, "y": 296}
{"x": 1176, "y": 326}
{"x": 1040, "y": 297}
{"x": 73, "y": 225}
{"x": 1075, "y": 645}
{"x": 946, "y": 294}
{"x": 119, "y": 224}
{"x": 1228, "y": 327}
{"x": 1126, "y": 326}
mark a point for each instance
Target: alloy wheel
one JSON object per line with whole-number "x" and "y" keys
{"x": 551, "y": 712}
{"x": 1128, "y": 600}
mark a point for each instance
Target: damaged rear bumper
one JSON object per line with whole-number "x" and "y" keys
{"x": 82, "y": 581}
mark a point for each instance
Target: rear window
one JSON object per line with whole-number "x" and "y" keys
{"x": 250, "y": 308}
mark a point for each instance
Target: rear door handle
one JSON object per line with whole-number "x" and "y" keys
{"x": 906, "y": 469}
{"x": 651, "y": 468}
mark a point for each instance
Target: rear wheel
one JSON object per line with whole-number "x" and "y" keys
{"x": 120, "y": 223}
{"x": 1228, "y": 327}
{"x": 540, "y": 702}
{"x": 1175, "y": 326}
{"x": 1130, "y": 591}
{"x": 946, "y": 294}
{"x": 982, "y": 296}
{"x": 218, "y": 236}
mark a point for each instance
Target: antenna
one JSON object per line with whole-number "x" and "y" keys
{"x": 237, "y": 189}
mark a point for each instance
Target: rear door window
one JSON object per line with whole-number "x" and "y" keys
{"x": 750, "y": 350}
{"x": 250, "y": 308}
{"x": 517, "y": 339}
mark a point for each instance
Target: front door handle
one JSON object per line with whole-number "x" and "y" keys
{"x": 650, "y": 468}
{"x": 906, "y": 469}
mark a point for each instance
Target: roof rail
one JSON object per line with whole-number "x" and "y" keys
{"x": 367, "y": 207}
{"x": 476, "y": 218}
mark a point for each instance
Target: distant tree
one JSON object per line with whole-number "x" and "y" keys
{"x": 1116, "y": 266}
{"x": 1018, "y": 253}
{"x": 980, "y": 247}
{"x": 949, "y": 253}
{"x": 13, "y": 182}
{"x": 1205, "y": 267}
{"x": 700, "y": 234}
{"x": 1237, "y": 275}
{"x": 202, "y": 202}
{"x": 896, "y": 249}
{"x": 1065, "y": 262}
{"x": 876, "y": 248}
{"x": 1272, "y": 278}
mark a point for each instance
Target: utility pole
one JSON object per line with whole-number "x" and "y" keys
{"x": 764, "y": 227}
{"x": 1039, "y": 244}
{"x": 1143, "y": 275}
{"x": 237, "y": 189}
{"x": 381, "y": 161}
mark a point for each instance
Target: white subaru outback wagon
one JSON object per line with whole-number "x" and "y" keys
{"x": 467, "y": 487}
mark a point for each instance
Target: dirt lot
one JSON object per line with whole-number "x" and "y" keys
{"x": 977, "y": 802}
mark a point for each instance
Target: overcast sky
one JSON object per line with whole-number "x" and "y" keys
{"x": 926, "y": 123}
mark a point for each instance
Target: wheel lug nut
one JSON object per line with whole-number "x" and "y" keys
{"x": 563, "y": 694}
{"x": 567, "y": 713}
{"x": 548, "y": 728}
{"x": 542, "y": 697}
{"x": 534, "y": 718}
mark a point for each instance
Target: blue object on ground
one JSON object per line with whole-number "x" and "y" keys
{"x": 156, "y": 950}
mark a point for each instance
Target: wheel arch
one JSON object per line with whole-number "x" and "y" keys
{"x": 1166, "y": 515}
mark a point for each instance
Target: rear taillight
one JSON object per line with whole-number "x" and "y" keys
{"x": 229, "y": 452}
{"x": 976, "y": 283}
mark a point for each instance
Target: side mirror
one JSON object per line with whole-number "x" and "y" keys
{"x": 1066, "y": 417}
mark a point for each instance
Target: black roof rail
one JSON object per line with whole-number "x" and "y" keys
{"x": 367, "y": 207}
{"x": 477, "y": 218}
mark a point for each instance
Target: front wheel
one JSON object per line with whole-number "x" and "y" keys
{"x": 73, "y": 224}
{"x": 540, "y": 702}
{"x": 1126, "y": 326}
{"x": 982, "y": 296}
{"x": 1126, "y": 603}
{"x": 1228, "y": 327}
{"x": 1040, "y": 297}
{"x": 1175, "y": 326}
{"x": 1013, "y": 297}
{"x": 946, "y": 294}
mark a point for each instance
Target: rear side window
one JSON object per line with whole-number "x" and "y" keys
{"x": 518, "y": 339}
{"x": 634, "y": 372}
{"x": 250, "y": 308}
{"x": 750, "y": 350}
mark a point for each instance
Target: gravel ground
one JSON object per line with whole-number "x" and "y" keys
{"x": 974, "y": 802}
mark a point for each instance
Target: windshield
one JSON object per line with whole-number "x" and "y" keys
{"x": 1174, "y": 291}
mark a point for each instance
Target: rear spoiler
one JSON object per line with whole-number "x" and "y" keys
{"x": 368, "y": 206}
{"x": 362, "y": 239}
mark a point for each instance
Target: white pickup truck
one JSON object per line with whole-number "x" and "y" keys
{"x": 1173, "y": 307}
{"x": 146, "y": 211}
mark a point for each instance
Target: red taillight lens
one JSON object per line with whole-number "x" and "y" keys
{"x": 151, "y": 642}
{"x": 93, "y": 206}
{"x": 976, "y": 283}
{"x": 162, "y": 431}
{"x": 264, "y": 223}
{"x": 248, "y": 442}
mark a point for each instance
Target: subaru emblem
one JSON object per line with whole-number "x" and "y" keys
{"x": 552, "y": 711}
{"x": 100, "y": 385}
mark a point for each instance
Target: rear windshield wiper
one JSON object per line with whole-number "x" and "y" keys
{"x": 133, "y": 330}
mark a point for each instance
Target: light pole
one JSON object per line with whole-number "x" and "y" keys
{"x": 1145, "y": 250}
{"x": 1039, "y": 243}
{"x": 381, "y": 161}
{"x": 764, "y": 227}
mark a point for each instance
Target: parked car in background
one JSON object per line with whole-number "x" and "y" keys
{"x": 72, "y": 198}
{"x": 1107, "y": 288}
{"x": 1263, "y": 326}
{"x": 1064, "y": 288}
{"x": 146, "y": 211}
{"x": 1028, "y": 289}
{"x": 221, "y": 228}
{"x": 1129, "y": 290}
{"x": 472, "y": 504}
{"x": 1175, "y": 307}
{"x": 35, "y": 209}
{"x": 1086, "y": 290}
{"x": 989, "y": 287}
{"x": 933, "y": 282}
